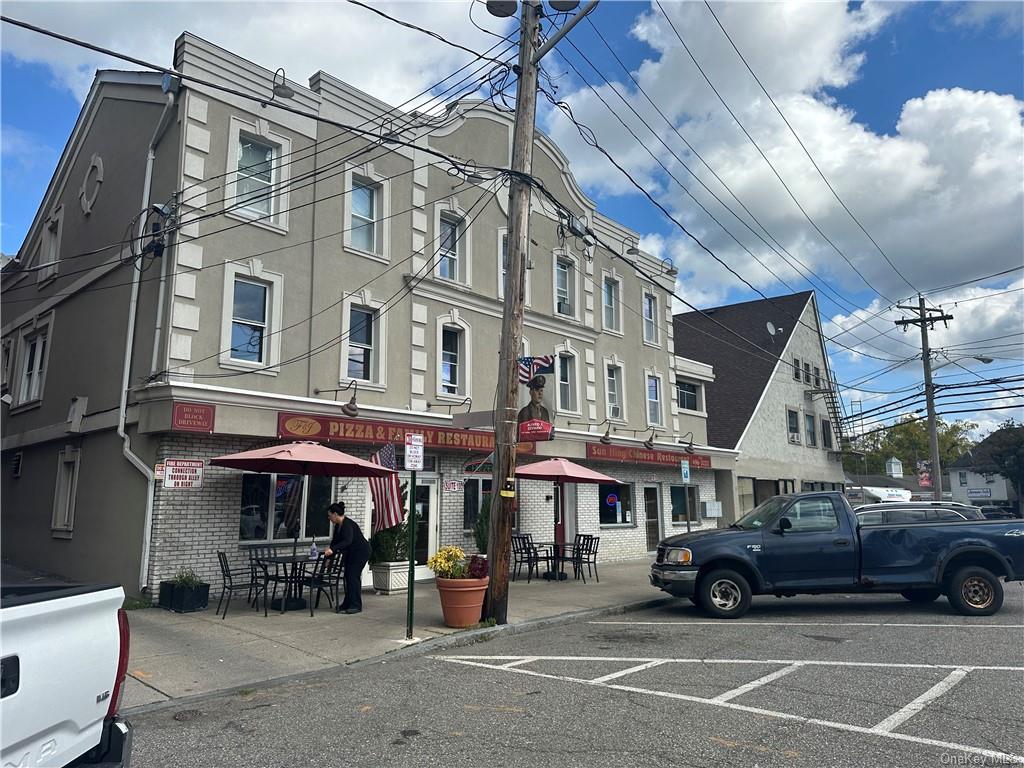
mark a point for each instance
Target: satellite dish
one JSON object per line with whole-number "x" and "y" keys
{"x": 771, "y": 328}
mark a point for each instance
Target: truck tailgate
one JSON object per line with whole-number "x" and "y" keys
{"x": 67, "y": 655}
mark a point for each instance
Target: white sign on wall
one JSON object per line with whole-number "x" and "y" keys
{"x": 712, "y": 509}
{"x": 183, "y": 473}
{"x": 413, "y": 451}
{"x": 979, "y": 493}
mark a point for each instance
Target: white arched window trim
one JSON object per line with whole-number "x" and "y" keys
{"x": 454, "y": 319}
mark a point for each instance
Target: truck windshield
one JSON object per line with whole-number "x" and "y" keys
{"x": 759, "y": 516}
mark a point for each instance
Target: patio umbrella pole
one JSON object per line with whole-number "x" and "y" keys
{"x": 411, "y": 521}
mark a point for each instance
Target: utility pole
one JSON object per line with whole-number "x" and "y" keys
{"x": 503, "y": 484}
{"x": 926, "y": 318}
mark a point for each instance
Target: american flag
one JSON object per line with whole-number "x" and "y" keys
{"x": 532, "y": 366}
{"x": 387, "y": 500}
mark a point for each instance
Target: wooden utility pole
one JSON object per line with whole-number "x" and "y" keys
{"x": 507, "y": 396}
{"x": 926, "y": 319}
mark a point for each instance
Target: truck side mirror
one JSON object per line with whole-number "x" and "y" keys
{"x": 784, "y": 525}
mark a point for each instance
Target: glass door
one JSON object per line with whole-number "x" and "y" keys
{"x": 651, "y": 513}
{"x": 427, "y": 524}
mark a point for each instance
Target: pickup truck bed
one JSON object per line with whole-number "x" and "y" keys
{"x": 811, "y": 543}
{"x": 64, "y": 655}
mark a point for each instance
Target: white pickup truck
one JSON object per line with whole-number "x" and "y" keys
{"x": 64, "y": 656}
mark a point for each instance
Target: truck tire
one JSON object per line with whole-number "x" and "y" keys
{"x": 724, "y": 594}
{"x": 975, "y": 591}
{"x": 695, "y": 600}
{"x": 925, "y": 595}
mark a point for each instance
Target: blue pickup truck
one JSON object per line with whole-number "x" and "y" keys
{"x": 812, "y": 543}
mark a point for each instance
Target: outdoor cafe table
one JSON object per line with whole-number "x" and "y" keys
{"x": 292, "y": 598}
{"x": 561, "y": 551}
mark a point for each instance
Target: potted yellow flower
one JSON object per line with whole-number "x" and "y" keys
{"x": 461, "y": 584}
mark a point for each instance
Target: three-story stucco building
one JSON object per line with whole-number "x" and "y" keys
{"x": 331, "y": 250}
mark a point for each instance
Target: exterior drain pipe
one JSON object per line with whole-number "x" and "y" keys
{"x": 133, "y": 305}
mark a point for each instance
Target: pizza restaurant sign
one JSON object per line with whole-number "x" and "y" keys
{"x": 643, "y": 456}
{"x": 303, "y": 426}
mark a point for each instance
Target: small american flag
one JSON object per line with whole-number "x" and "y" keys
{"x": 387, "y": 499}
{"x": 532, "y": 366}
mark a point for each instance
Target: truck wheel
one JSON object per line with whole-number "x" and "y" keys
{"x": 695, "y": 600}
{"x": 975, "y": 591}
{"x": 724, "y": 594}
{"x": 921, "y": 595}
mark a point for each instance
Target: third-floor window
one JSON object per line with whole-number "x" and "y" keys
{"x": 365, "y": 205}
{"x": 255, "y": 177}
{"x": 565, "y": 287}
{"x": 610, "y": 304}
{"x": 650, "y": 307}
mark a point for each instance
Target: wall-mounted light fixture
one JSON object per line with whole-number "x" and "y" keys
{"x": 279, "y": 89}
{"x": 351, "y": 408}
{"x": 466, "y": 401}
{"x": 689, "y": 443}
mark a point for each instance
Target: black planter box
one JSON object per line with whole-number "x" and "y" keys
{"x": 181, "y": 599}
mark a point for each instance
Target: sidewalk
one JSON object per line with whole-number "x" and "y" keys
{"x": 180, "y": 655}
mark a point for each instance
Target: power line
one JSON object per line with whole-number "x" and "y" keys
{"x": 973, "y": 280}
{"x": 806, "y": 151}
{"x": 765, "y": 157}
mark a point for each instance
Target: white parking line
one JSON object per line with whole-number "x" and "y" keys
{"x": 1002, "y": 757}
{"x": 729, "y": 695}
{"x": 630, "y": 671}
{"x": 898, "y": 718}
{"x": 517, "y": 662}
{"x": 804, "y": 624}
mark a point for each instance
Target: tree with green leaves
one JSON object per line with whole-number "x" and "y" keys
{"x": 908, "y": 441}
{"x": 1005, "y": 454}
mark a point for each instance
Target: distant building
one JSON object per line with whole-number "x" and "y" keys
{"x": 772, "y": 398}
{"x": 974, "y": 478}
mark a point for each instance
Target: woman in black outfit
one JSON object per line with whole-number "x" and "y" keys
{"x": 348, "y": 541}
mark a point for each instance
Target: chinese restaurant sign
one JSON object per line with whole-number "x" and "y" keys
{"x": 643, "y": 456}
{"x": 303, "y": 426}
{"x": 192, "y": 417}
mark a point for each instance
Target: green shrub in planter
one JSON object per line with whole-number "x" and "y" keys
{"x": 184, "y": 593}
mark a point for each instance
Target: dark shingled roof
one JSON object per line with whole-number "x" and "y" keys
{"x": 742, "y": 371}
{"x": 979, "y": 458}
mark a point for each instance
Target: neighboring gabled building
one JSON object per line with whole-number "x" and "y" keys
{"x": 310, "y": 262}
{"x": 772, "y": 398}
{"x": 975, "y": 479}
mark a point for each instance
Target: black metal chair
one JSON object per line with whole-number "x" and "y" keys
{"x": 326, "y": 579}
{"x": 237, "y": 580}
{"x": 587, "y": 555}
{"x": 266, "y": 573}
{"x": 525, "y": 552}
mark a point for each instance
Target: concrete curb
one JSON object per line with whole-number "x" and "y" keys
{"x": 454, "y": 640}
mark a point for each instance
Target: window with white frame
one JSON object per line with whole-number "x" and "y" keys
{"x": 249, "y": 320}
{"x": 650, "y": 314}
{"x": 49, "y": 250}
{"x": 614, "y": 392}
{"x": 688, "y": 396}
{"x": 962, "y": 477}
{"x": 64, "y": 492}
{"x": 450, "y": 265}
{"x": 363, "y": 356}
{"x": 807, "y": 373}
{"x": 280, "y": 506}
{"x": 654, "y": 400}
{"x": 793, "y": 425}
{"x": 254, "y": 176}
{"x": 810, "y": 422}
{"x": 7, "y": 351}
{"x": 33, "y": 366}
{"x": 503, "y": 267}
{"x": 611, "y": 304}
{"x": 796, "y": 369}
{"x": 365, "y": 208}
{"x": 565, "y": 287}
{"x": 451, "y": 360}
{"x": 568, "y": 398}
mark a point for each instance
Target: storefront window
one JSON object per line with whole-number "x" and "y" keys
{"x": 685, "y": 504}
{"x": 299, "y": 507}
{"x": 616, "y": 504}
{"x": 475, "y": 491}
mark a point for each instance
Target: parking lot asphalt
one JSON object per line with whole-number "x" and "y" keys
{"x": 843, "y": 681}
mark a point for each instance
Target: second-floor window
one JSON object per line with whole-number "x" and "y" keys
{"x": 653, "y": 400}
{"x": 448, "y": 257}
{"x": 826, "y": 434}
{"x": 365, "y": 213}
{"x": 650, "y": 307}
{"x": 817, "y": 377}
{"x": 688, "y": 395}
{"x": 255, "y": 176}
{"x": 33, "y": 367}
{"x": 809, "y": 422}
{"x": 565, "y": 287}
{"x": 610, "y": 303}
{"x": 614, "y": 392}
{"x": 807, "y": 373}
{"x": 249, "y": 321}
{"x": 567, "y": 400}
{"x": 451, "y": 355}
{"x": 796, "y": 369}
{"x": 793, "y": 424}
{"x": 361, "y": 339}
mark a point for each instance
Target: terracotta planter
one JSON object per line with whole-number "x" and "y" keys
{"x": 462, "y": 600}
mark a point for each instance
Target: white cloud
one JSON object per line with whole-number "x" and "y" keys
{"x": 1006, "y": 17}
{"x": 23, "y": 150}
{"x": 351, "y": 43}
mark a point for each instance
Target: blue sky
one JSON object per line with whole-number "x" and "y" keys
{"x": 914, "y": 109}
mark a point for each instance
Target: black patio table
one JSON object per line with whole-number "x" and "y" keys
{"x": 560, "y": 552}
{"x": 295, "y": 577}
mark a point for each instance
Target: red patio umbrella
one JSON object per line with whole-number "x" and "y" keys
{"x": 561, "y": 471}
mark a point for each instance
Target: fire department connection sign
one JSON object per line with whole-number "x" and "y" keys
{"x": 183, "y": 473}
